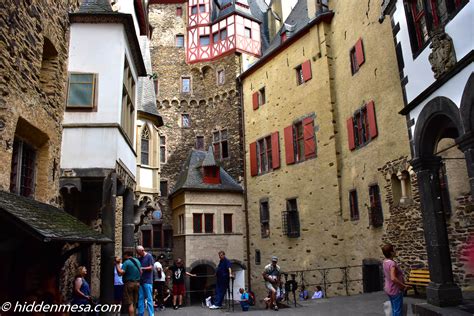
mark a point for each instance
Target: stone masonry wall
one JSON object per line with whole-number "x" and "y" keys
{"x": 211, "y": 107}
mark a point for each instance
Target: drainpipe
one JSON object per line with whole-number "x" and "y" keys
{"x": 247, "y": 230}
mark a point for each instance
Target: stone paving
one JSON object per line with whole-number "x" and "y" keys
{"x": 364, "y": 304}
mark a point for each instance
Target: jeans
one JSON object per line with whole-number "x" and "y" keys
{"x": 145, "y": 292}
{"x": 221, "y": 288}
{"x": 397, "y": 304}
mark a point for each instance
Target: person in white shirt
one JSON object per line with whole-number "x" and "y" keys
{"x": 318, "y": 293}
{"x": 159, "y": 276}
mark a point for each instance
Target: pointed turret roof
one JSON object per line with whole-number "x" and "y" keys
{"x": 209, "y": 160}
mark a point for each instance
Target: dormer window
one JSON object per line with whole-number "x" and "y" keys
{"x": 212, "y": 175}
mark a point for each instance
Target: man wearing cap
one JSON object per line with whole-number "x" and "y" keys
{"x": 271, "y": 274}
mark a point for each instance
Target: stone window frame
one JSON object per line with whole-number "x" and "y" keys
{"x": 177, "y": 40}
{"x": 219, "y": 142}
{"x": 198, "y": 221}
{"x": 181, "y": 224}
{"x": 127, "y": 121}
{"x": 181, "y": 84}
{"x": 84, "y": 108}
{"x": 354, "y": 205}
{"x": 22, "y": 181}
{"x": 152, "y": 230}
{"x": 196, "y": 144}
{"x": 258, "y": 257}
{"x": 208, "y": 230}
{"x": 164, "y": 187}
{"x": 264, "y": 155}
{"x": 163, "y": 151}
{"x": 220, "y": 79}
{"x": 376, "y": 218}
{"x": 224, "y": 222}
{"x": 145, "y": 138}
{"x": 291, "y": 219}
{"x": 185, "y": 121}
{"x": 262, "y": 98}
{"x": 401, "y": 188}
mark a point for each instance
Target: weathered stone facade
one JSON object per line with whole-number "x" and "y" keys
{"x": 34, "y": 48}
{"x": 211, "y": 106}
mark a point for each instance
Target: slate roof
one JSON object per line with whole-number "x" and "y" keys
{"x": 146, "y": 89}
{"x": 209, "y": 160}
{"x": 46, "y": 222}
{"x": 191, "y": 177}
{"x": 95, "y": 6}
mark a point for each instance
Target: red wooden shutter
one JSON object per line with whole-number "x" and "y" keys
{"x": 306, "y": 67}
{"x": 275, "y": 151}
{"x": 253, "y": 159}
{"x": 309, "y": 141}
{"x": 372, "y": 120}
{"x": 255, "y": 100}
{"x": 360, "y": 52}
{"x": 350, "y": 133}
{"x": 289, "y": 146}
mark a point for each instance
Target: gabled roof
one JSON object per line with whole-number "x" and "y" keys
{"x": 146, "y": 90}
{"x": 191, "y": 177}
{"x": 44, "y": 221}
{"x": 209, "y": 160}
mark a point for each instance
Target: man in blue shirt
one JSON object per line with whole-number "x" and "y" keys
{"x": 223, "y": 274}
{"x": 146, "y": 282}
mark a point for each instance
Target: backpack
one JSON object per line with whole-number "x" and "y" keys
{"x": 251, "y": 298}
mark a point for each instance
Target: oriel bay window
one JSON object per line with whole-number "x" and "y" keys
{"x": 145, "y": 146}
{"x": 265, "y": 154}
{"x": 300, "y": 141}
{"x": 362, "y": 126}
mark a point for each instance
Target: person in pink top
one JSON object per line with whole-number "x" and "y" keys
{"x": 394, "y": 282}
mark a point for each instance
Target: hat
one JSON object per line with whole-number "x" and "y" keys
{"x": 275, "y": 258}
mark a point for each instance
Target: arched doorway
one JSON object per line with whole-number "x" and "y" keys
{"x": 238, "y": 268}
{"x": 438, "y": 134}
{"x": 204, "y": 284}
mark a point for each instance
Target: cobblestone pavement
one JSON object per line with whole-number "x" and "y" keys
{"x": 364, "y": 304}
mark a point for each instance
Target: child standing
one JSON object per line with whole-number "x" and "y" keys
{"x": 244, "y": 300}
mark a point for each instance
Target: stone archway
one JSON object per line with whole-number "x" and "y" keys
{"x": 466, "y": 142}
{"x": 439, "y": 119}
{"x": 204, "y": 284}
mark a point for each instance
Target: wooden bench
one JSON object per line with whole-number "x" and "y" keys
{"x": 418, "y": 277}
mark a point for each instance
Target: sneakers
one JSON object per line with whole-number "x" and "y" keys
{"x": 214, "y": 307}
{"x": 175, "y": 307}
{"x": 275, "y": 308}
{"x": 208, "y": 302}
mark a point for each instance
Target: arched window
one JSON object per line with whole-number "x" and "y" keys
{"x": 145, "y": 146}
{"x": 396, "y": 189}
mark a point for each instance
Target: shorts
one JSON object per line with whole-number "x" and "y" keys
{"x": 118, "y": 292}
{"x": 130, "y": 292}
{"x": 179, "y": 289}
{"x": 270, "y": 286}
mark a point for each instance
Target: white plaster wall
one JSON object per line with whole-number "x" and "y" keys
{"x": 420, "y": 75}
{"x": 146, "y": 177}
{"x": 453, "y": 89}
{"x": 126, "y": 6}
{"x": 99, "y": 49}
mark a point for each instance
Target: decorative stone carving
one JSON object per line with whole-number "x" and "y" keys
{"x": 442, "y": 57}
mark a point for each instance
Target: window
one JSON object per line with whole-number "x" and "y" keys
{"x": 145, "y": 146}
{"x": 303, "y": 72}
{"x": 264, "y": 150}
{"x": 179, "y": 11}
{"x": 204, "y": 40}
{"x": 179, "y": 40}
{"x": 156, "y": 236}
{"x": 181, "y": 224}
{"x": 162, "y": 149}
{"x": 215, "y": 37}
{"x": 258, "y": 98}
{"x": 22, "y": 176}
{"x": 258, "y": 257}
{"x": 265, "y": 154}
{"x": 81, "y": 91}
{"x": 128, "y": 102}
{"x": 156, "y": 86}
{"x": 200, "y": 142}
{"x": 283, "y": 37}
{"x": 223, "y": 34}
{"x": 248, "y": 32}
{"x": 220, "y": 77}
{"x": 362, "y": 127}
{"x": 300, "y": 141}
{"x": 220, "y": 144}
{"x": 291, "y": 220}
{"x": 194, "y": 10}
{"x": 186, "y": 84}
{"x": 211, "y": 175}
{"x": 185, "y": 120}
{"x": 163, "y": 188}
{"x": 209, "y": 223}
{"x": 357, "y": 56}
{"x": 265, "y": 219}
{"x": 227, "y": 223}
{"x": 197, "y": 223}
{"x": 424, "y": 16}
{"x": 49, "y": 67}
{"x": 202, "y": 8}
{"x": 354, "y": 206}
{"x": 375, "y": 211}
